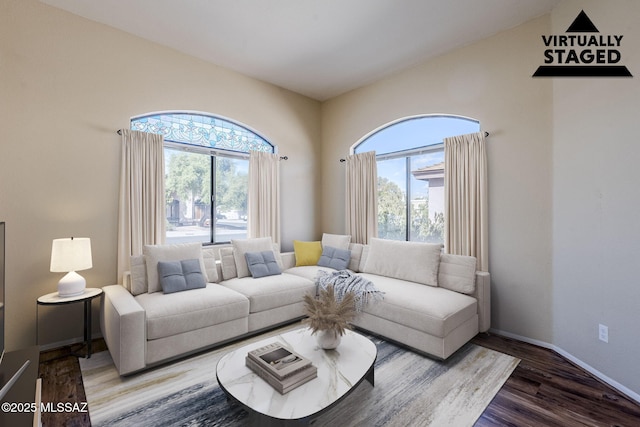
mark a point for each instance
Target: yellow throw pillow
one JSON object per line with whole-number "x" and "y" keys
{"x": 307, "y": 253}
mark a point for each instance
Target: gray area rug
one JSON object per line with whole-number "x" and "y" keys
{"x": 410, "y": 390}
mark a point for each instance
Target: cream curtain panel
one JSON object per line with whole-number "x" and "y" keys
{"x": 466, "y": 198}
{"x": 263, "y": 204}
{"x": 362, "y": 197}
{"x": 141, "y": 215}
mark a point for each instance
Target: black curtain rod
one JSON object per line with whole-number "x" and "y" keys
{"x": 486, "y": 134}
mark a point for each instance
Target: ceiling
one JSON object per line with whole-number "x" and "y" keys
{"x": 318, "y": 48}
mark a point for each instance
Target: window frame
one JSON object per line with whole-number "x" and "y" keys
{"x": 408, "y": 154}
{"x": 212, "y": 152}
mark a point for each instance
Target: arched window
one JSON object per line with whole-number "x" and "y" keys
{"x": 410, "y": 157}
{"x": 206, "y": 174}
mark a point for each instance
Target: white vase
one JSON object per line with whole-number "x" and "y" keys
{"x": 328, "y": 339}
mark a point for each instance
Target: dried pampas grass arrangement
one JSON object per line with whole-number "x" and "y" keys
{"x": 325, "y": 313}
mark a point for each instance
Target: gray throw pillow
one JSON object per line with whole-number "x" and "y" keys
{"x": 335, "y": 258}
{"x": 176, "y": 276}
{"x": 262, "y": 264}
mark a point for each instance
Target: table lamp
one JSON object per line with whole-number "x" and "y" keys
{"x": 68, "y": 256}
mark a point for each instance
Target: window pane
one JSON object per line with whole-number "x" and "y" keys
{"x": 202, "y": 130}
{"x": 392, "y": 199}
{"x": 416, "y": 132}
{"x": 188, "y": 189}
{"x": 414, "y": 140}
{"x": 427, "y": 198}
{"x": 232, "y": 183}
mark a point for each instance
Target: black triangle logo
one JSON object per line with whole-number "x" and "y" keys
{"x": 582, "y": 24}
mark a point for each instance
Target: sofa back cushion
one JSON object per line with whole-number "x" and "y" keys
{"x": 339, "y": 241}
{"x": 457, "y": 273}
{"x": 413, "y": 261}
{"x": 233, "y": 261}
{"x": 178, "y": 252}
{"x": 242, "y": 246}
{"x": 138, "y": 269}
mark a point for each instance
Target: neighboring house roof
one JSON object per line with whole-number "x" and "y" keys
{"x": 429, "y": 172}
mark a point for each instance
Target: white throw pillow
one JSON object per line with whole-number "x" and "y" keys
{"x": 242, "y": 246}
{"x": 363, "y": 258}
{"x": 177, "y": 252}
{"x": 138, "y": 271}
{"x": 211, "y": 272}
{"x": 228, "y": 263}
{"x": 413, "y": 261}
{"x": 457, "y": 273}
{"x": 339, "y": 241}
{"x": 356, "y": 255}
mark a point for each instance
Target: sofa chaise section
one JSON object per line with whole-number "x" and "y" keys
{"x": 433, "y": 302}
{"x": 431, "y": 320}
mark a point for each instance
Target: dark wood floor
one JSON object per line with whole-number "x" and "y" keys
{"x": 544, "y": 390}
{"x": 547, "y": 390}
{"x": 62, "y": 382}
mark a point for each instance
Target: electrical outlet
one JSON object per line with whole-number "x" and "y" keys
{"x": 603, "y": 333}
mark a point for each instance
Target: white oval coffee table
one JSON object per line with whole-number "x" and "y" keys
{"x": 339, "y": 372}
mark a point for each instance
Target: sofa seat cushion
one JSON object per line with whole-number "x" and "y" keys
{"x": 309, "y": 272}
{"x": 433, "y": 310}
{"x": 271, "y": 292}
{"x": 172, "y": 314}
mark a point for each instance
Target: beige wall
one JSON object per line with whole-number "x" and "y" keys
{"x": 67, "y": 84}
{"x": 596, "y": 202}
{"x": 489, "y": 81}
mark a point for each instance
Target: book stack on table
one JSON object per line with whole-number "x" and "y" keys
{"x": 282, "y": 368}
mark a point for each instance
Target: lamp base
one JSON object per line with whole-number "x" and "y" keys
{"x": 71, "y": 285}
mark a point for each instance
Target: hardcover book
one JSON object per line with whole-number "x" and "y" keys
{"x": 279, "y": 361}
{"x": 287, "y": 384}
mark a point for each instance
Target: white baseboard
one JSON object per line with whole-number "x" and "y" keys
{"x": 602, "y": 377}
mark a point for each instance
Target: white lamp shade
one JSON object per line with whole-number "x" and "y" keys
{"x": 71, "y": 254}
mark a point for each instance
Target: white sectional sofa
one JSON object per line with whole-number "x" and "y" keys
{"x": 433, "y": 303}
